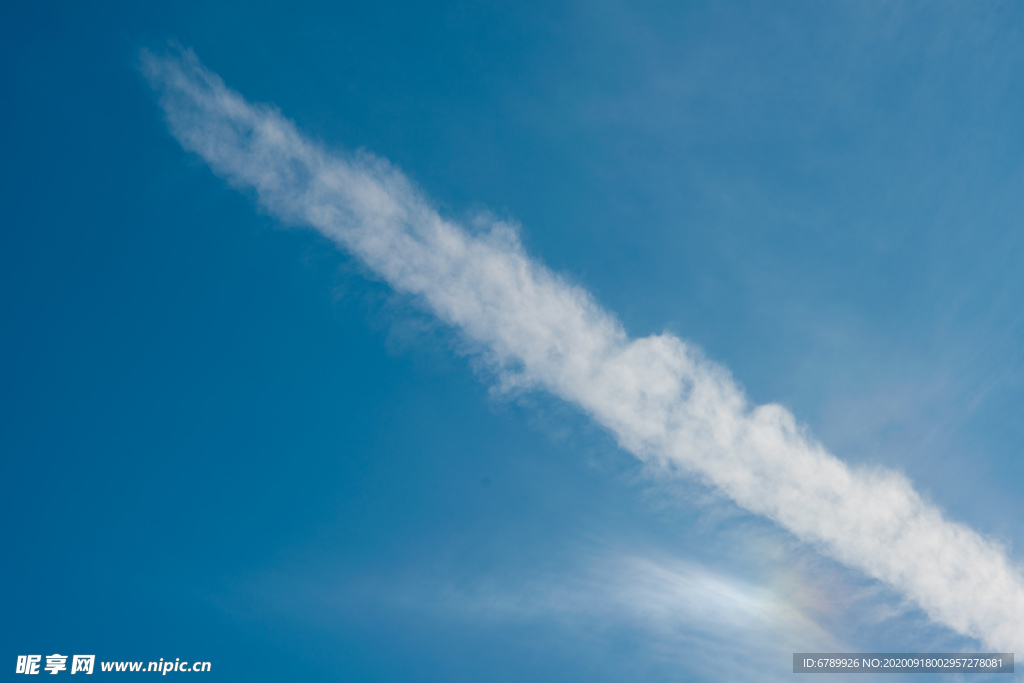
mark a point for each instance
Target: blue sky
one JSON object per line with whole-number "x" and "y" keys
{"x": 226, "y": 438}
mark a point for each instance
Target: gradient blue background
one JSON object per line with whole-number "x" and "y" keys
{"x": 220, "y": 438}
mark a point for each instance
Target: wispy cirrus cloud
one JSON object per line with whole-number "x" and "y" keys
{"x": 682, "y": 615}
{"x": 664, "y": 402}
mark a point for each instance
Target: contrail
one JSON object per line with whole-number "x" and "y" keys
{"x": 665, "y": 403}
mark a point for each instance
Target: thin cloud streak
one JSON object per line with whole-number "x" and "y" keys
{"x": 688, "y": 616}
{"x": 664, "y": 402}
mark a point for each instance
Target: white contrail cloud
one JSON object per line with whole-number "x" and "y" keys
{"x": 664, "y": 402}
